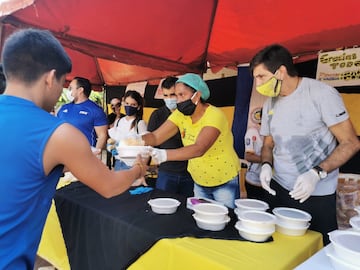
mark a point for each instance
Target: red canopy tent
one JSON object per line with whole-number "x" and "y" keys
{"x": 117, "y": 42}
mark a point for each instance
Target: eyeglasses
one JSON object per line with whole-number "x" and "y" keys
{"x": 115, "y": 105}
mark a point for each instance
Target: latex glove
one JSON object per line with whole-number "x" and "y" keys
{"x": 265, "y": 178}
{"x": 159, "y": 155}
{"x": 146, "y": 152}
{"x": 305, "y": 185}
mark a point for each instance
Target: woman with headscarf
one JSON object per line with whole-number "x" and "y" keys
{"x": 207, "y": 139}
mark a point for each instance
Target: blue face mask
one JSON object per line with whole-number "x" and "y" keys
{"x": 170, "y": 103}
{"x": 130, "y": 110}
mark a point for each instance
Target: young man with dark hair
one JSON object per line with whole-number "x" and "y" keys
{"x": 35, "y": 65}
{"x": 85, "y": 114}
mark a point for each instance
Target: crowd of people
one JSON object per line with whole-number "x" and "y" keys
{"x": 295, "y": 154}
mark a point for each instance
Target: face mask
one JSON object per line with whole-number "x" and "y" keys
{"x": 271, "y": 88}
{"x": 130, "y": 110}
{"x": 69, "y": 96}
{"x": 170, "y": 103}
{"x": 187, "y": 107}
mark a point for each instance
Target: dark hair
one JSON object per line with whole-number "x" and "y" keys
{"x": 273, "y": 57}
{"x": 169, "y": 82}
{"x": 84, "y": 83}
{"x": 2, "y": 80}
{"x": 140, "y": 101}
{"x": 29, "y": 53}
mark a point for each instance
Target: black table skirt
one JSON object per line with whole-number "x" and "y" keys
{"x": 113, "y": 233}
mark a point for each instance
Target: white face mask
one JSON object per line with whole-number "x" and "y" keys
{"x": 170, "y": 103}
{"x": 69, "y": 96}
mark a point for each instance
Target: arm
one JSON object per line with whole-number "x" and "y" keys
{"x": 266, "y": 168}
{"x": 204, "y": 141}
{"x": 102, "y": 135}
{"x": 167, "y": 130}
{"x": 267, "y": 150}
{"x": 68, "y": 146}
{"x": 348, "y": 145}
{"x": 252, "y": 157}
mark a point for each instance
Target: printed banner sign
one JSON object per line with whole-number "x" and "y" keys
{"x": 339, "y": 68}
{"x": 137, "y": 86}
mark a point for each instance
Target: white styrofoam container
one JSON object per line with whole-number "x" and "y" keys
{"x": 164, "y": 205}
{"x": 257, "y": 220}
{"x": 291, "y": 230}
{"x": 210, "y": 211}
{"x": 337, "y": 262}
{"x": 211, "y": 225}
{"x": 355, "y": 222}
{"x": 253, "y": 235}
{"x": 292, "y": 217}
{"x": 346, "y": 245}
{"x": 251, "y": 204}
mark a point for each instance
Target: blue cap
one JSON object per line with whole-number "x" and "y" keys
{"x": 196, "y": 82}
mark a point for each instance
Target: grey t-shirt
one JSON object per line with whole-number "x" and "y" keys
{"x": 298, "y": 124}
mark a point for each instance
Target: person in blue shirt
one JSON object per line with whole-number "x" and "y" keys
{"x": 43, "y": 146}
{"x": 85, "y": 114}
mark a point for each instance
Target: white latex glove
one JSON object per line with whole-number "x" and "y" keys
{"x": 145, "y": 153}
{"x": 265, "y": 178}
{"x": 159, "y": 155}
{"x": 304, "y": 186}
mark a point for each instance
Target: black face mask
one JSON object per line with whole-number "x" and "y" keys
{"x": 186, "y": 107}
{"x": 130, "y": 110}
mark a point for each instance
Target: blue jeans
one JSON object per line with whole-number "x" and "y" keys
{"x": 226, "y": 193}
{"x": 120, "y": 165}
{"x": 178, "y": 183}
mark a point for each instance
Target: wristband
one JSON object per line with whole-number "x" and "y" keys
{"x": 267, "y": 162}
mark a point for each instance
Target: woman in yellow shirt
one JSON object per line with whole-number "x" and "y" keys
{"x": 207, "y": 139}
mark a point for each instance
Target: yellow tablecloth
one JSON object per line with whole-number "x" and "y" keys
{"x": 52, "y": 246}
{"x": 285, "y": 252}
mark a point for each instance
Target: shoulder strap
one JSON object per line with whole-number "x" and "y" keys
{"x": 137, "y": 126}
{"x": 117, "y": 123}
